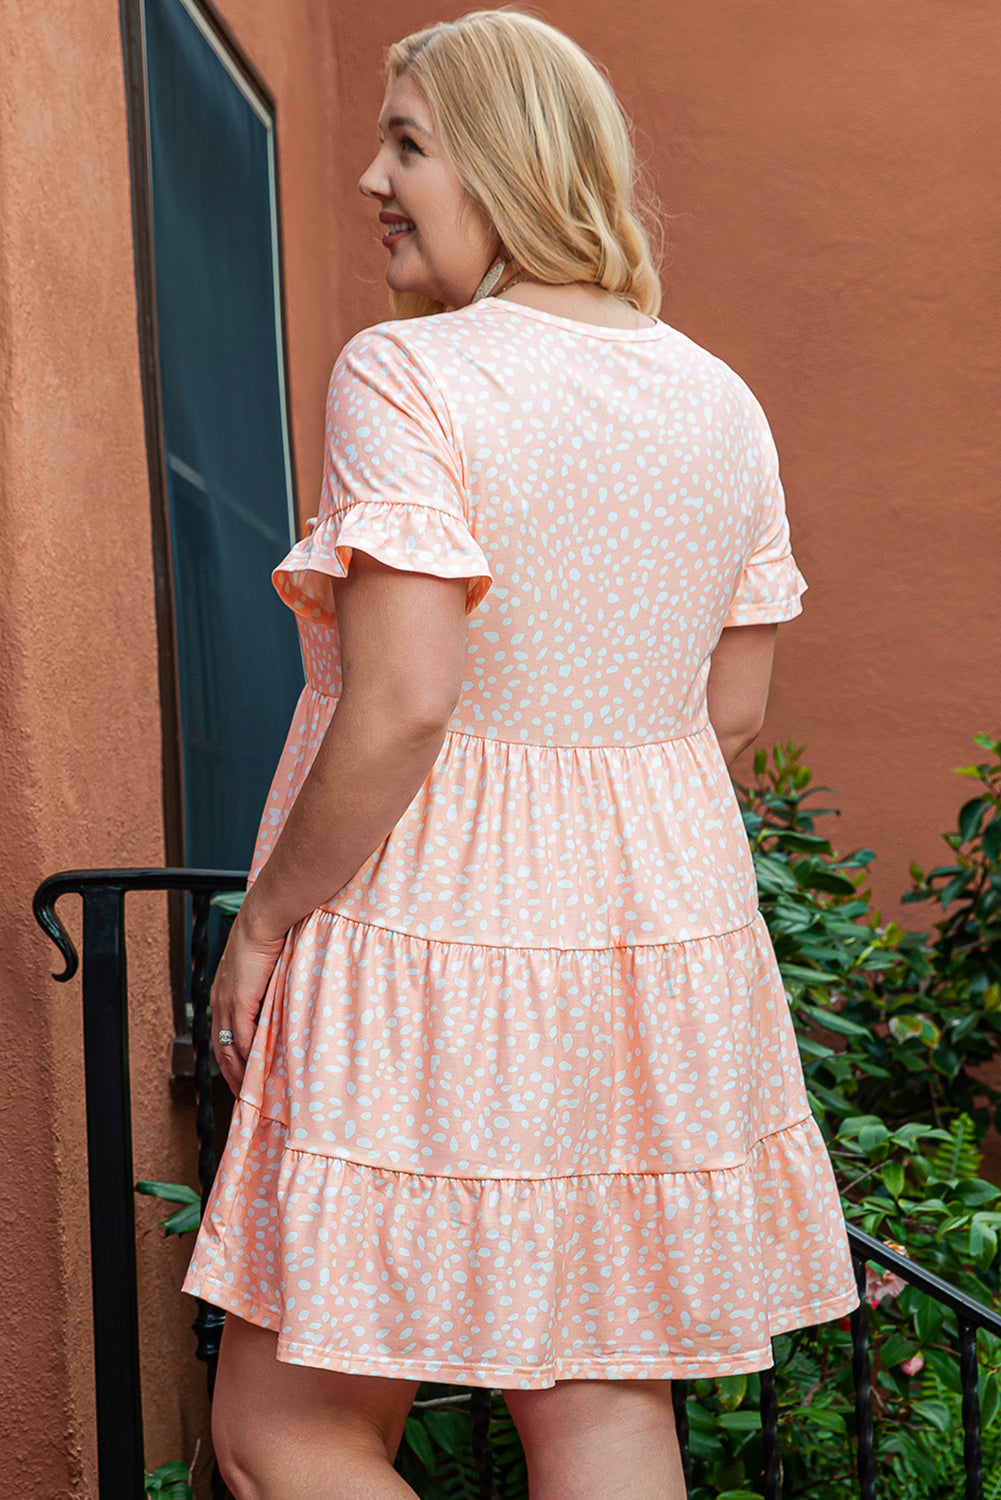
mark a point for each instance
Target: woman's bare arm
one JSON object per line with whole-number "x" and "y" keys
{"x": 739, "y": 677}
{"x": 403, "y": 651}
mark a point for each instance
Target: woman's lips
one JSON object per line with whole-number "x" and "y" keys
{"x": 397, "y": 229}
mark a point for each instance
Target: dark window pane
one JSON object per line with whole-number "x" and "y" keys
{"x": 224, "y": 425}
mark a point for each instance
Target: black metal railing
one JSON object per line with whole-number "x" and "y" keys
{"x": 111, "y": 1186}
{"x": 111, "y": 1179}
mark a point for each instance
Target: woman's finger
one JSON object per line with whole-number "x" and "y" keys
{"x": 231, "y": 1063}
{"x": 241, "y": 983}
{"x": 231, "y": 1067}
{"x": 244, "y": 1027}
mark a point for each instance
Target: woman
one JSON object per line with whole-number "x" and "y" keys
{"x": 522, "y": 1105}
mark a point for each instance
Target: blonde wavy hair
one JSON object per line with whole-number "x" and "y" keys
{"x": 540, "y": 142}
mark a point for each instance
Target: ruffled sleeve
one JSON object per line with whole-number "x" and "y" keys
{"x": 770, "y": 585}
{"x": 394, "y": 484}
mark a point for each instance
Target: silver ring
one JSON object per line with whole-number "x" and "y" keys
{"x": 224, "y": 1038}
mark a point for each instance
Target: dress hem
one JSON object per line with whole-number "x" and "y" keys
{"x": 440, "y": 1372}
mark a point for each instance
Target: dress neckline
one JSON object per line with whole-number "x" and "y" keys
{"x": 656, "y": 330}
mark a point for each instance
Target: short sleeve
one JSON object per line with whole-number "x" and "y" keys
{"x": 393, "y": 481}
{"x": 770, "y": 585}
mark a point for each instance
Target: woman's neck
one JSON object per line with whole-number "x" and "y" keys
{"x": 578, "y": 301}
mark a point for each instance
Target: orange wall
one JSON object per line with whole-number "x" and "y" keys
{"x": 833, "y": 236}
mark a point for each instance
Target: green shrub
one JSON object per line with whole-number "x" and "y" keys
{"x": 890, "y": 1024}
{"x": 171, "y": 1480}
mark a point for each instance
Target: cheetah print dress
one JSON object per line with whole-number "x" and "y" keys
{"x": 525, "y": 1103}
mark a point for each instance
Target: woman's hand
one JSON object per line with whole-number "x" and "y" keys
{"x": 241, "y": 983}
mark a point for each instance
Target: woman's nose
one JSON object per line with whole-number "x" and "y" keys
{"x": 372, "y": 182}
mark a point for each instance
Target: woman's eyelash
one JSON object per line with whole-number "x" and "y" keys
{"x": 408, "y": 143}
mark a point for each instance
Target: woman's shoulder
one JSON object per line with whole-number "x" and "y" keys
{"x": 414, "y": 350}
{"x": 405, "y": 337}
{"x": 401, "y": 363}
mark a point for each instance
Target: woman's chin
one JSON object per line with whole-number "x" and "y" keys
{"x": 405, "y": 282}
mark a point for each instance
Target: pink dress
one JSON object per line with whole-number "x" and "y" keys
{"x": 525, "y": 1103}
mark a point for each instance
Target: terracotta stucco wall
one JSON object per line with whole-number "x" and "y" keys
{"x": 830, "y": 172}
{"x": 79, "y": 754}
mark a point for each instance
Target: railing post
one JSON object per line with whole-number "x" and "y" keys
{"x": 862, "y": 1376}
{"x": 968, "y": 1374}
{"x": 770, "y": 1455}
{"x": 208, "y": 1324}
{"x": 483, "y": 1459}
{"x": 111, "y": 1194}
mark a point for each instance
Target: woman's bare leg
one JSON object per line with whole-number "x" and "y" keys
{"x": 289, "y": 1432}
{"x": 599, "y": 1440}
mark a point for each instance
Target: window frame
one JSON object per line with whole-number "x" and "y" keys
{"x": 233, "y": 57}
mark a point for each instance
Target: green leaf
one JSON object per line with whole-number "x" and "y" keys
{"x": 946, "y": 1368}
{"x": 893, "y": 1178}
{"x": 958, "y": 1156}
{"x": 229, "y": 902}
{"x": 823, "y": 1416}
{"x": 773, "y": 874}
{"x": 831, "y": 1020}
{"x": 935, "y": 1413}
{"x": 851, "y": 1129}
{"x": 990, "y": 1400}
{"x": 417, "y": 1437}
{"x": 807, "y": 843}
{"x": 740, "y": 1421}
{"x": 184, "y": 1220}
{"x": 799, "y": 973}
{"x": 447, "y": 1428}
{"x": 895, "y": 1349}
{"x": 974, "y": 1192}
{"x": 170, "y": 1192}
{"x": 709, "y": 1448}
{"x": 827, "y": 880}
{"x": 810, "y": 1049}
{"x": 908, "y": 1135}
{"x": 958, "y": 883}
{"x": 992, "y": 840}
{"x": 904, "y": 1028}
{"x": 872, "y": 1136}
{"x": 739, "y": 1495}
{"x": 983, "y": 1243}
{"x": 928, "y": 1320}
{"x": 817, "y": 1110}
{"x": 731, "y": 1390}
{"x": 699, "y": 1416}
{"x": 971, "y": 815}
